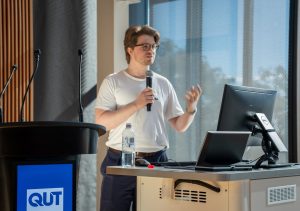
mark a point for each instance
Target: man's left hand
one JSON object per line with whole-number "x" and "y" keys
{"x": 192, "y": 97}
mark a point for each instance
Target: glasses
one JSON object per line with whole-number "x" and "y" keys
{"x": 147, "y": 46}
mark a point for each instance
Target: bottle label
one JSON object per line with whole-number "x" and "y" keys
{"x": 128, "y": 155}
{"x": 128, "y": 144}
{"x": 131, "y": 142}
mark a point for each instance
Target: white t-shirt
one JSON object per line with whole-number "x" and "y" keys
{"x": 120, "y": 89}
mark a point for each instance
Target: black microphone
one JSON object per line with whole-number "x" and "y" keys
{"x": 149, "y": 75}
{"x": 37, "y": 54}
{"x": 13, "y": 70}
{"x": 80, "y": 54}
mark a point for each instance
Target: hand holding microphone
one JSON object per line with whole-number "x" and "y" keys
{"x": 149, "y": 75}
{"x": 146, "y": 97}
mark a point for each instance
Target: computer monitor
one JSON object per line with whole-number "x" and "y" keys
{"x": 250, "y": 109}
{"x": 239, "y": 104}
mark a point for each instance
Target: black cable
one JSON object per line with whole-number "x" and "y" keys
{"x": 197, "y": 182}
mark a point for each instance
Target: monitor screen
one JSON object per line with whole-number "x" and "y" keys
{"x": 239, "y": 103}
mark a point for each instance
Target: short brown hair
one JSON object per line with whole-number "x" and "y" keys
{"x": 132, "y": 34}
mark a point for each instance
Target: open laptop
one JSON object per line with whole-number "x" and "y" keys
{"x": 220, "y": 151}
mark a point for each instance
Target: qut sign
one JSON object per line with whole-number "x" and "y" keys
{"x": 45, "y": 187}
{"x": 50, "y": 199}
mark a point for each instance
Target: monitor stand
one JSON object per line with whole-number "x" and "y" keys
{"x": 270, "y": 155}
{"x": 271, "y": 144}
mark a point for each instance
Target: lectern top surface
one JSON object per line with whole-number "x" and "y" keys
{"x": 101, "y": 129}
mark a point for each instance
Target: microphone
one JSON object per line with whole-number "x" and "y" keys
{"x": 13, "y": 70}
{"x": 80, "y": 54}
{"x": 149, "y": 75}
{"x": 37, "y": 54}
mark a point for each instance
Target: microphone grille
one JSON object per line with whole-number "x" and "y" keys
{"x": 149, "y": 73}
{"x": 37, "y": 52}
{"x": 80, "y": 52}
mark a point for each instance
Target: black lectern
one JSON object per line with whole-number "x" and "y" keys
{"x": 38, "y": 163}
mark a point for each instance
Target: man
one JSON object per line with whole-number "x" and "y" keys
{"x": 122, "y": 98}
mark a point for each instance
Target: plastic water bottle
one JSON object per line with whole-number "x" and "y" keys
{"x": 128, "y": 146}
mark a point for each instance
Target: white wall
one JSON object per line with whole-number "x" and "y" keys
{"x": 113, "y": 21}
{"x": 121, "y": 23}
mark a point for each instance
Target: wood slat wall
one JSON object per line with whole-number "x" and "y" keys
{"x": 16, "y": 47}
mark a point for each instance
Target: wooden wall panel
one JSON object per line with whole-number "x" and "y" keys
{"x": 16, "y": 47}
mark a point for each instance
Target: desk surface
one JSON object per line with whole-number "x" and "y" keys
{"x": 205, "y": 175}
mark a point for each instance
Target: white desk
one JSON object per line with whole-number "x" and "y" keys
{"x": 256, "y": 190}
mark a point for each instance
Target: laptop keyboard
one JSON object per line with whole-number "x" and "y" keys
{"x": 174, "y": 163}
{"x": 191, "y": 165}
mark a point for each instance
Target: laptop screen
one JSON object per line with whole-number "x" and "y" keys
{"x": 223, "y": 148}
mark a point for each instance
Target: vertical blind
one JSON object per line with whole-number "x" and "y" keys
{"x": 16, "y": 47}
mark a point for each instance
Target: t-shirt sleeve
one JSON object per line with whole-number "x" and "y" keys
{"x": 173, "y": 108}
{"x": 105, "y": 98}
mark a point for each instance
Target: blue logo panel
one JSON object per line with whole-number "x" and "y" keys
{"x": 45, "y": 187}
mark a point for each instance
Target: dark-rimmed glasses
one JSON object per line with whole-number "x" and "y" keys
{"x": 147, "y": 46}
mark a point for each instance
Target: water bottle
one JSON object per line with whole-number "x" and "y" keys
{"x": 128, "y": 146}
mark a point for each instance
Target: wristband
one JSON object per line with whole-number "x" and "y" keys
{"x": 191, "y": 112}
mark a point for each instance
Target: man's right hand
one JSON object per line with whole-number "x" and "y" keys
{"x": 145, "y": 97}
{"x": 112, "y": 119}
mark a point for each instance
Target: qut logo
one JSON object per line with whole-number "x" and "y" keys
{"x": 46, "y": 199}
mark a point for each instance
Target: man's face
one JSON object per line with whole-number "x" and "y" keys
{"x": 145, "y": 50}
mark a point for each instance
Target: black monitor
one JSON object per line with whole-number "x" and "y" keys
{"x": 246, "y": 109}
{"x": 239, "y": 103}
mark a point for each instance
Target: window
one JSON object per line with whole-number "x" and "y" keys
{"x": 213, "y": 42}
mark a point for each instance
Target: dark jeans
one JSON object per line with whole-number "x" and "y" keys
{"x": 118, "y": 192}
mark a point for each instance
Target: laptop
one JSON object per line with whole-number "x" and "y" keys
{"x": 220, "y": 151}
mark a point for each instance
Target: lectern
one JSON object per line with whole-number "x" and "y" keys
{"x": 39, "y": 163}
